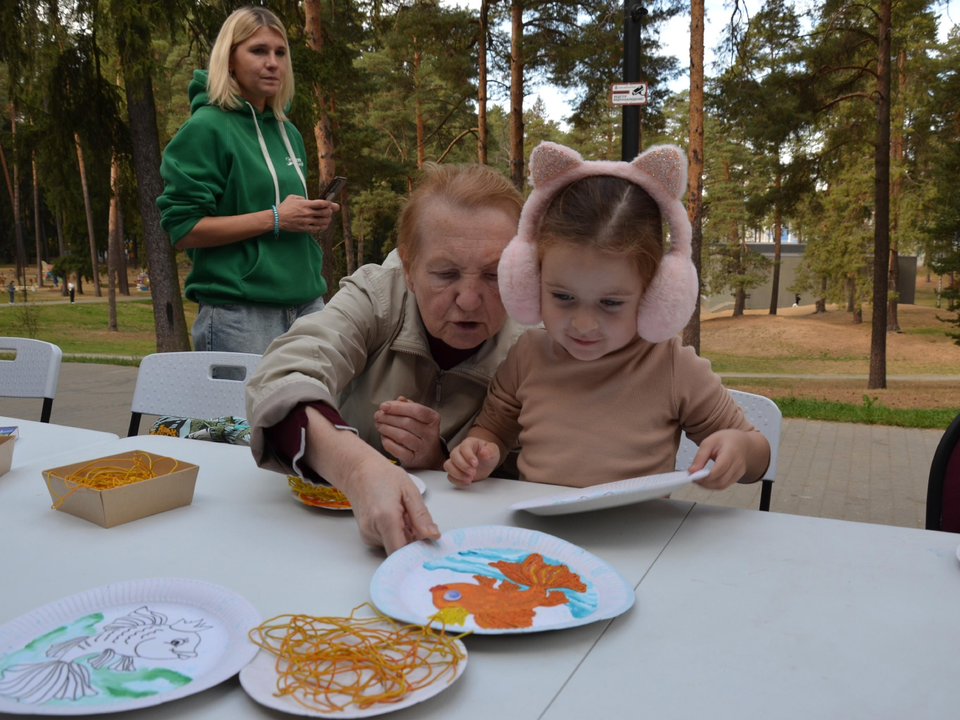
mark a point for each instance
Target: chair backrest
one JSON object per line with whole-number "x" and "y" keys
{"x": 766, "y": 417}
{"x": 184, "y": 384}
{"x": 33, "y": 373}
{"x": 943, "y": 488}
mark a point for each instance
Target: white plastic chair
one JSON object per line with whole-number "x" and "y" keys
{"x": 33, "y": 373}
{"x": 767, "y": 418}
{"x": 183, "y": 384}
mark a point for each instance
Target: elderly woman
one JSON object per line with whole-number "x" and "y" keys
{"x": 399, "y": 362}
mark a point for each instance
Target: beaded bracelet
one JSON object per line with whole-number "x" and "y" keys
{"x": 276, "y": 221}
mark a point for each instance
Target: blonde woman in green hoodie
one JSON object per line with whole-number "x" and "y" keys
{"x": 235, "y": 194}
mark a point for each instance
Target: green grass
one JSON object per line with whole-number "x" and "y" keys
{"x": 870, "y": 412}
{"x": 82, "y": 327}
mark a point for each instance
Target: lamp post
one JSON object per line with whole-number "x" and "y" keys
{"x": 633, "y": 13}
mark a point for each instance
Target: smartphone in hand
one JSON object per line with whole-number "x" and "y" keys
{"x": 333, "y": 189}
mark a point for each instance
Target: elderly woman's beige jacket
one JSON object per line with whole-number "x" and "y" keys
{"x": 367, "y": 346}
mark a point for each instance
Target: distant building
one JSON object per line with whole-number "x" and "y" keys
{"x": 791, "y": 255}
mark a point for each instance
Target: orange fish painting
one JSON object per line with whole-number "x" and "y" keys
{"x": 507, "y": 606}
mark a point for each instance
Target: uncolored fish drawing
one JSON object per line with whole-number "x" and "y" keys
{"x": 506, "y": 605}
{"x": 141, "y": 634}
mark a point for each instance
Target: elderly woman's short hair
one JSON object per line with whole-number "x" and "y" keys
{"x": 458, "y": 187}
{"x": 222, "y": 88}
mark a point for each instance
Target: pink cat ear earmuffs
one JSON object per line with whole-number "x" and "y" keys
{"x": 671, "y": 298}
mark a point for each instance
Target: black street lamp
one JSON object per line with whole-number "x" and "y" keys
{"x": 633, "y": 14}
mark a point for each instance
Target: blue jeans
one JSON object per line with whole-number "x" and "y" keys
{"x": 245, "y": 328}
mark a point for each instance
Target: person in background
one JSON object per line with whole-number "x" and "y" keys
{"x": 73, "y": 290}
{"x": 235, "y": 194}
{"x": 588, "y": 261}
{"x": 398, "y": 364}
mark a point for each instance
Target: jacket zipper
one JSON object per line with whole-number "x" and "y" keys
{"x": 438, "y": 394}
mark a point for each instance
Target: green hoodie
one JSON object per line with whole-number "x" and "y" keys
{"x": 215, "y": 166}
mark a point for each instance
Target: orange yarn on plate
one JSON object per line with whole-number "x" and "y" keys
{"x": 328, "y": 663}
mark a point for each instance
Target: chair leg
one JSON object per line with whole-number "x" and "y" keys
{"x": 134, "y": 424}
{"x": 47, "y": 408}
{"x": 765, "y": 493}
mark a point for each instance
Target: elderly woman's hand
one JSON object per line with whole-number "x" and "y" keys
{"x": 388, "y": 506}
{"x": 297, "y": 214}
{"x": 411, "y": 433}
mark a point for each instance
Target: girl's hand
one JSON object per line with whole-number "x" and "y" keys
{"x": 729, "y": 451}
{"x": 297, "y": 214}
{"x": 473, "y": 459}
{"x": 411, "y": 433}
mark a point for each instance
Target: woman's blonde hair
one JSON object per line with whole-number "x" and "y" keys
{"x": 459, "y": 187}
{"x": 222, "y": 88}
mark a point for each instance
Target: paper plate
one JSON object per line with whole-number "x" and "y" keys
{"x": 259, "y": 679}
{"x": 496, "y": 580}
{"x": 597, "y": 497}
{"x": 124, "y": 646}
{"x": 343, "y": 504}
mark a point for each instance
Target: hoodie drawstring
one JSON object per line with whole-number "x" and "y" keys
{"x": 266, "y": 156}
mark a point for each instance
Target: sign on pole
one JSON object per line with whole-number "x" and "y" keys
{"x": 633, "y": 93}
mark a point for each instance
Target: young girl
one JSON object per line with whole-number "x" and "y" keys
{"x": 602, "y": 392}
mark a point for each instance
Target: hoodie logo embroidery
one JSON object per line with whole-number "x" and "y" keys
{"x": 290, "y": 161}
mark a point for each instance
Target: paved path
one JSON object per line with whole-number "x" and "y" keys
{"x": 80, "y": 300}
{"x": 866, "y": 473}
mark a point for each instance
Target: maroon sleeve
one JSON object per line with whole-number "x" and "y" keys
{"x": 287, "y": 437}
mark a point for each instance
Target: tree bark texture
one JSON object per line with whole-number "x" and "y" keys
{"x": 777, "y": 230}
{"x": 821, "y": 304}
{"x": 123, "y": 282}
{"x": 94, "y": 263}
{"x": 323, "y": 135}
{"x": 691, "y": 333}
{"x": 739, "y": 302}
{"x": 896, "y": 191}
{"x": 347, "y": 232}
{"x": 37, "y": 230}
{"x": 112, "y": 242}
{"x": 17, "y": 220}
{"x": 881, "y": 222}
{"x": 421, "y": 156}
{"x": 482, "y": 83}
{"x": 516, "y": 94}
{"x": 168, "y": 319}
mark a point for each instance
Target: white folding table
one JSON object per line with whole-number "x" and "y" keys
{"x": 38, "y": 441}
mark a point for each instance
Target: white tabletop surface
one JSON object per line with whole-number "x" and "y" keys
{"x": 38, "y": 440}
{"x": 245, "y": 531}
{"x": 764, "y": 615}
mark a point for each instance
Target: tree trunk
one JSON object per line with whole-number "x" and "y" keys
{"x": 112, "y": 242}
{"x": 323, "y": 135}
{"x": 777, "y": 230}
{"x": 360, "y": 239}
{"x": 37, "y": 231}
{"x": 168, "y": 319}
{"x": 62, "y": 247}
{"x": 15, "y": 199}
{"x": 896, "y": 151}
{"x": 482, "y": 84}
{"x": 347, "y": 232}
{"x": 691, "y": 333}
{"x": 881, "y": 222}
{"x": 858, "y": 315}
{"x": 516, "y": 94}
{"x": 123, "y": 282}
{"x": 851, "y": 294}
{"x": 421, "y": 150}
{"x": 94, "y": 263}
{"x": 739, "y": 302}
{"x": 821, "y": 304}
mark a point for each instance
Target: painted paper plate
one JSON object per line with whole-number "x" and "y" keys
{"x": 598, "y": 497}
{"x": 496, "y": 580}
{"x": 124, "y": 646}
{"x": 327, "y": 496}
{"x": 259, "y": 679}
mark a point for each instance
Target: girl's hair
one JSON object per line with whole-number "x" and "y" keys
{"x": 459, "y": 187}
{"x": 609, "y": 214}
{"x": 222, "y": 88}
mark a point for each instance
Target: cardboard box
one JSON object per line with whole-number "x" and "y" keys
{"x": 172, "y": 488}
{"x": 6, "y": 452}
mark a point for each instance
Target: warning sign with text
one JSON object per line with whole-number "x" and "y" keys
{"x": 628, "y": 93}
